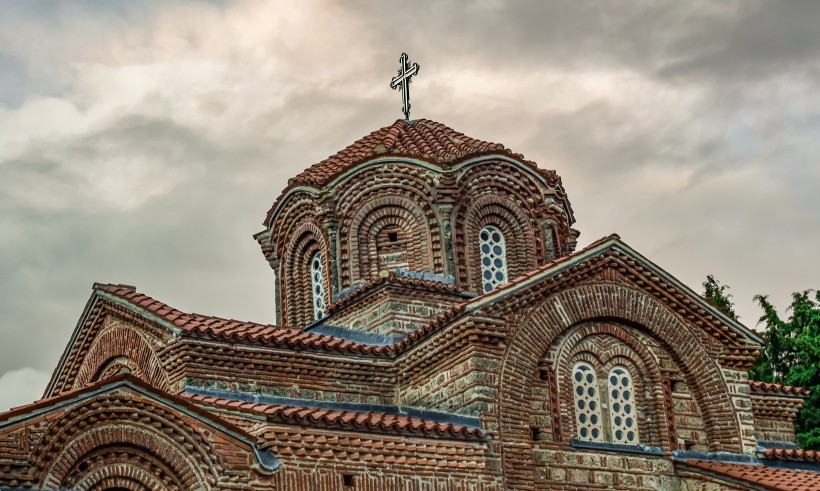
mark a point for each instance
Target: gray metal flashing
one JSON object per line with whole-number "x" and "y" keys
{"x": 795, "y": 465}
{"x": 266, "y": 459}
{"x": 763, "y": 445}
{"x": 426, "y": 276}
{"x": 724, "y": 457}
{"x": 618, "y": 447}
{"x": 348, "y": 291}
{"x": 254, "y": 397}
{"x": 354, "y": 335}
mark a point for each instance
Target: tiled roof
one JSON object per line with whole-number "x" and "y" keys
{"x": 208, "y": 326}
{"x": 112, "y": 383}
{"x": 353, "y": 420}
{"x": 391, "y": 278}
{"x": 421, "y": 139}
{"x": 758, "y": 475}
{"x": 783, "y": 389}
{"x": 458, "y": 309}
{"x": 796, "y": 454}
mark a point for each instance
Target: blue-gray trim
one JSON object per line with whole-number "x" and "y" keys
{"x": 426, "y": 276}
{"x": 347, "y": 291}
{"x": 766, "y": 444}
{"x": 617, "y": 447}
{"x": 437, "y": 416}
{"x": 732, "y": 458}
{"x": 355, "y": 335}
{"x": 266, "y": 459}
{"x": 725, "y": 457}
{"x": 791, "y": 464}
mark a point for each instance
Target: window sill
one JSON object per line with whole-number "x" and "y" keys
{"x": 617, "y": 447}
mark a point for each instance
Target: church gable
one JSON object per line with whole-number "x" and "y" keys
{"x": 123, "y": 433}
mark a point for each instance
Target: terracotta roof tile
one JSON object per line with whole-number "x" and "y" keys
{"x": 208, "y": 326}
{"x": 421, "y": 139}
{"x": 759, "y": 475}
{"x": 353, "y": 420}
{"x": 783, "y": 389}
{"x": 392, "y": 278}
{"x": 796, "y": 454}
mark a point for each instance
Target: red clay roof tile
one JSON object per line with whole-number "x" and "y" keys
{"x": 760, "y": 475}
{"x": 376, "y": 421}
{"x": 796, "y": 454}
{"x": 421, "y": 139}
{"x": 783, "y": 389}
{"x": 208, "y": 326}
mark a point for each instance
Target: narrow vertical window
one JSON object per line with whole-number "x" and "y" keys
{"x": 318, "y": 285}
{"x": 622, "y": 407}
{"x": 587, "y": 403}
{"x": 493, "y": 257}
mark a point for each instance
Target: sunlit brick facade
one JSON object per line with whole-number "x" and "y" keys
{"x": 436, "y": 329}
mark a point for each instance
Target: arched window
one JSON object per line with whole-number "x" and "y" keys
{"x": 587, "y": 403}
{"x": 622, "y": 407}
{"x": 493, "y": 257}
{"x": 317, "y": 275}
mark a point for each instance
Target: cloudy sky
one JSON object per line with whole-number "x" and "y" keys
{"x": 142, "y": 143}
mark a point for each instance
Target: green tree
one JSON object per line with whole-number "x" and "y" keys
{"x": 791, "y": 356}
{"x": 716, "y": 295}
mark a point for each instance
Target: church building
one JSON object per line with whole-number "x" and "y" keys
{"x": 436, "y": 329}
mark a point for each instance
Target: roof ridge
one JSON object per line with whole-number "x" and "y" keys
{"x": 421, "y": 139}
{"x": 270, "y": 334}
{"x": 376, "y": 420}
{"x": 773, "y": 387}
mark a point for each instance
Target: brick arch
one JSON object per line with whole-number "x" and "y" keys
{"x": 296, "y": 295}
{"x": 116, "y": 467}
{"x": 542, "y": 202}
{"x": 412, "y": 182}
{"x": 118, "y": 340}
{"x": 539, "y": 329}
{"x": 365, "y": 226}
{"x": 519, "y": 234}
{"x": 124, "y": 439}
{"x": 301, "y": 208}
{"x": 611, "y": 344}
{"x": 147, "y": 435}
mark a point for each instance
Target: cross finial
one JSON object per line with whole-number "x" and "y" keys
{"x": 402, "y": 82}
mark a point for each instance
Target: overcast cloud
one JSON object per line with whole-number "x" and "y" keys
{"x": 143, "y": 142}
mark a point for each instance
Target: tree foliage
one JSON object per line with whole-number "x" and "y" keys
{"x": 791, "y": 356}
{"x": 716, "y": 295}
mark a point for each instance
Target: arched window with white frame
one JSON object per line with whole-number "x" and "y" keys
{"x": 317, "y": 275}
{"x": 622, "y": 414}
{"x": 587, "y": 403}
{"x": 493, "y": 257}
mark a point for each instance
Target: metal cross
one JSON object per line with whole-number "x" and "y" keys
{"x": 402, "y": 82}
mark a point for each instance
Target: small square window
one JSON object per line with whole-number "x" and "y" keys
{"x": 393, "y": 236}
{"x": 535, "y": 433}
{"x": 349, "y": 480}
